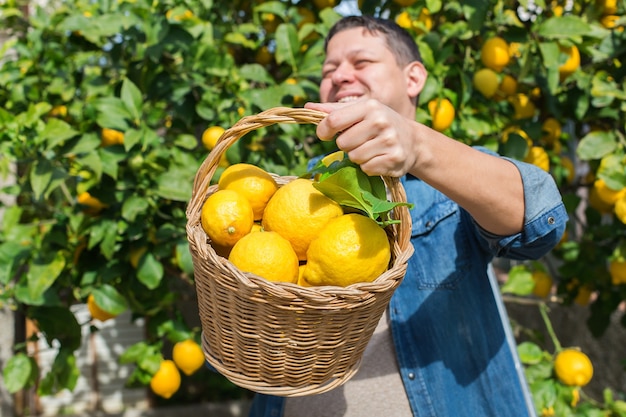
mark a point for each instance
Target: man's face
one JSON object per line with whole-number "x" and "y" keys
{"x": 360, "y": 65}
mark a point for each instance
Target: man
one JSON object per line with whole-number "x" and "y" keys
{"x": 444, "y": 347}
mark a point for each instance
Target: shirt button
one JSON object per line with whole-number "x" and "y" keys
{"x": 551, "y": 220}
{"x": 411, "y": 376}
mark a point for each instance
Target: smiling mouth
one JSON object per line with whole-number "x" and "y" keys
{"x": 347, "y": 99}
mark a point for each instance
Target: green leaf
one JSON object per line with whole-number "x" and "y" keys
{"x": 150, "y": 271}
{"x": 19, "y": 372}
{"x": 595, "y": 145}
{"x": 10, "y": 252}
{"x": 175, "y": 184}
{"x": 63, "y": 375}
{"x": 345, "y": 183}
{"x": 568, "y": 26}
{"x": 56, "y": 132}
{"x": 287, "y": 45}
{"x": 112, "y": 113}
{"x": 109, "y": 299}
{"x": 58, "y": 323}
{"x": 132, "y": 98}
{"x": 529, "y": 353}
{"x": 134, "y": 206}
{"x": 183, "y": 257}
{"x": 43, "y": 272}
{"x": 519, "y": 282}
{"x": 40, "y": 177}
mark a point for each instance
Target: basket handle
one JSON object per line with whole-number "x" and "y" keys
{"x": 275, "y": 115}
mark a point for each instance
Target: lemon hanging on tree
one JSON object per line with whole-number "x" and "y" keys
{"x": 188, "y": 356}
{"x": 166, "y": 381}
{"x": 573, "y": 367}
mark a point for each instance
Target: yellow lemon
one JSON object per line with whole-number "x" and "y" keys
{"x": 607, "y": 6}
{"x": 441, "y": 113}
{"x": 538, "y": 156}
{"x": 111, "y": 137}
{"x": 551, "y": 129}
{"x": 404, "y": 20}
{"x": 188, "y": 356}
{"x": 606, "y": 194}
{"x": 136, "y": 254}
{"x": 494, "y": 53}
{"x": 297, "y": 212}
{"x": 573, "y": 367}
{"x": 349, "y": 249}
{"x": 486, "y": 81}
{"x": 617, "y": 270}
{"x": 508, "y": 86}
{"x": 93, "y": 204}
{"x": 226, "y": 217}
{"x": 568, "y": 164}
{"x": 518, "y": 131}
{"x": 523, "y": 107}
{"x": 97, "y": 312}
{"x": 572, "y": 63}
{"x": 543, "y": 284}
{"x": 166, "y": 381}
{"x": 251, "y": 181}
{"x": 268, "y": 255}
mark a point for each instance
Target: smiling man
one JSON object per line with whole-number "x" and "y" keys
{"x": 444, "y": 346}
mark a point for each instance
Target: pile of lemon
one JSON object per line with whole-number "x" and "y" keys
{"x": 291, "y": 233}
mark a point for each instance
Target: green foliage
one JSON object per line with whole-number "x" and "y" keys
{"x": 160, "y": 73}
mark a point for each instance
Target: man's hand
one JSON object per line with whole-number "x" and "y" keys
{"x": 372, "y": 134}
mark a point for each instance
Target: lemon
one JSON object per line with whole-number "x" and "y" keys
{"x": 494, "y": 53}
{"x": 538, "y": 156}
{"x": 573, "y": 367}
{"x": 441, "y": 113}
{"x": 322, "y": 4}
{"x": 210, "y": 136}
{"x": 166, "y": 381}
{"x": 572, "y": 63}
{"x": 486, "y": 81}
{"x": 268, "y": 255}
{"x": 523, "y": 107}
{"x": 617, "y": 270}
{"x": 508, "y": 85}
{"x": 111, "y": 137}
{"x": 349, "y": 249}
{"x": 297, "y": 212}
{"x": 543, "y": 284}
{"x": 251, "y": 181}
{"x": 93, "y": 204}
{"x": 188, "y": 356}
{"x": 97, "y": 312}
{"x": 551, "y": 129}
{"x": 136, "y": 254}
{"x": 226, "y": 217}
{"x": 404, "y": 20}
{"x": 606, "y": 194}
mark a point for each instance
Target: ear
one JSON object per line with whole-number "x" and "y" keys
{"x": 416, "y": 75}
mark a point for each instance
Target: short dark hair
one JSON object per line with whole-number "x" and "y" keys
{"x": 399, "y": 41}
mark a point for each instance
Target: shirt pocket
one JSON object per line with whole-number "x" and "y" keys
{"x": 442, "y": 257}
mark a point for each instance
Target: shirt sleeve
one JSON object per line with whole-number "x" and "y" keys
{"x": 545, "y": 217}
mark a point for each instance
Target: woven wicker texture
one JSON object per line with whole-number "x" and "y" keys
{"x": 281, "y": 338}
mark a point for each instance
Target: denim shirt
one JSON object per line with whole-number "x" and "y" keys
{"x": 448, "y": 324}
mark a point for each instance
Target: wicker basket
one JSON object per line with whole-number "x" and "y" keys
{"x": 281, "y": 338}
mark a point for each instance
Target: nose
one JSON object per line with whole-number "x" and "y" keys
{"x": 342, "y": 74}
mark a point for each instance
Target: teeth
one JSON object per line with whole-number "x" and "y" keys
{"x": 347, "y": 99}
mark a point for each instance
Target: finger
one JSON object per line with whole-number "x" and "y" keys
{"x": 339, "y": 120}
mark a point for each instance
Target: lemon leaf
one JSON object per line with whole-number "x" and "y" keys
{"x": 345, "y": 183}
